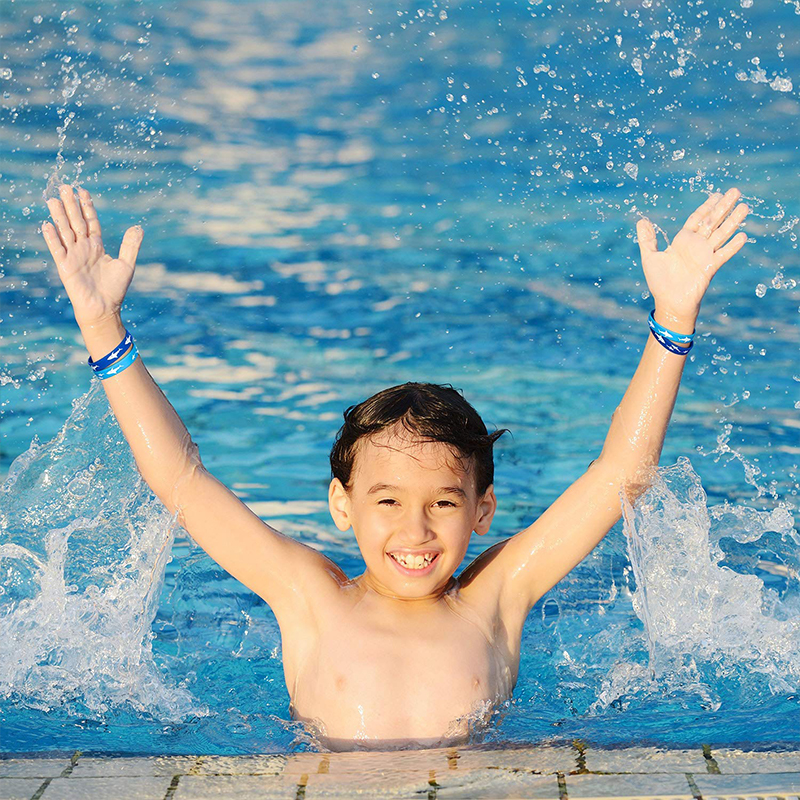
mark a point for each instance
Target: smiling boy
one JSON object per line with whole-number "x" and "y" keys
{"x": 403, "y": 652}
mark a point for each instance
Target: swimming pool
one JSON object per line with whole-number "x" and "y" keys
{"x": 338, "y": 198}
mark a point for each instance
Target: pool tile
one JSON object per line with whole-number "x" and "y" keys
{"x": 374, "y": 783}
{"x": 645, "y": 759}
{"x": 738, "y": 761}
{"x": 497, "y": 785}
{"x": 365, "y": 762}
{"x": 235, "y": 787}
{"x": 118, "y": 788}
{"x": 144, "y": 767}
{"x": 782, "y": 784}
{"x": 238, "y": 765}
{"x": 33, "y": 767}
{"x": 545, "y": 759}
{"x": 18, "y": 788}
{"x": 584, "y": 787}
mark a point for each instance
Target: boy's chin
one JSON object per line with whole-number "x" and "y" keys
{"x": 401, "y": 587}
{"x": 418, "y": 588}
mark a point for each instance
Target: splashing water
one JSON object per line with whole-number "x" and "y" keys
{"x": 704, "y": 621}
{"x": 83, "y": 550}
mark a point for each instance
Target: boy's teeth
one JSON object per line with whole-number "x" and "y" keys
{"x": 414, "y": 562}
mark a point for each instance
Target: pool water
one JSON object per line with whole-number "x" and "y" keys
{"x": 340, "y": 197}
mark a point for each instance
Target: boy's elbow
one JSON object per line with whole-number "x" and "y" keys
{"x": 187, "y": 472}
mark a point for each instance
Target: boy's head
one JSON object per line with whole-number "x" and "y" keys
{"x": 412, "y": 474}
{"x": 429, "y": 412}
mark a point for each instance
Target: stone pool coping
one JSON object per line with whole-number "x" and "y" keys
{"x": 552, "y": 772}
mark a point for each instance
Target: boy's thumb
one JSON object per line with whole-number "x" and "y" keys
{"x": 131, "y": 242}
{"x": 646, "y": 235}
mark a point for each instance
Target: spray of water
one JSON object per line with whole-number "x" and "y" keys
{"x": 83, "y": 549}
{"x": 705, "y": 622}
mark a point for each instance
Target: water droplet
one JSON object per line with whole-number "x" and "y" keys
{"x": 761, "y": 290}
{"x": 631, "y": 169}
{"x": 781, "y": 84}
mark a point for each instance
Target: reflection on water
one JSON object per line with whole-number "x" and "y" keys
{"x": 337, "y": 198}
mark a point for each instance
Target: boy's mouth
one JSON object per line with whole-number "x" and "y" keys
{"x": 417, "y": 565}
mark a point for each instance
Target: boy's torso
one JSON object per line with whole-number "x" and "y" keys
{"x": 360, "y": 673}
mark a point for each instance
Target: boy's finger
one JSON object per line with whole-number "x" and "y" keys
{"x": 129, "y": 249}
{"x": 700, "y": 214}
{"x": 728, "y": 228}
{"x": 720, "y": 211}
{"x": 61, "y": 221}
{"x": 646, "y": 235}
{"x": 730, "y": 250}
{"x": 74, "y": 214}
{"x": 53, "y": 242}
{"x": 89, "y": 212}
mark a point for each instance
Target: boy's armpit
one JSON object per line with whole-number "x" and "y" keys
{"x": 288, "y": 575}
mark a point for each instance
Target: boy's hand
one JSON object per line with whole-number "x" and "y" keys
{"x": 95, "y": 282}
{"x": 679, "y": 276}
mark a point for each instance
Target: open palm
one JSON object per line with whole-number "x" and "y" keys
{"x": 678, "y": 277}
{"x": 95, "y": 282}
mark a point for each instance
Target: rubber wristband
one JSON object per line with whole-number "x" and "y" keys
{"x": 671, "y": 346}
{"x": 114, "y": 355}
{"x": 119, "y": 366}
{"x": 673, "y": 336}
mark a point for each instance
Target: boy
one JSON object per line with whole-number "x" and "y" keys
{"x": 404, "y": 652}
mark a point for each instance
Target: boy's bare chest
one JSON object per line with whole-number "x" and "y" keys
{"x": 373, "y": 679}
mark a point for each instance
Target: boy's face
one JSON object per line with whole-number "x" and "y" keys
{"x": 413, "y": 507}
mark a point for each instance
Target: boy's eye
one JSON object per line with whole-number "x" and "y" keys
{"x": 387, "y": 501}
{"x": 445, "y": 503}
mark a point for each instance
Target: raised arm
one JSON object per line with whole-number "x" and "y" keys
{"x": 521, "y": 569}
{"x": 279, "y": 569}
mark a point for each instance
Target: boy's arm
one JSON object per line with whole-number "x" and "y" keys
{"x": 279, "y": 569}
{"x": 282, "y": 571}
{"x": 521, "y": 569}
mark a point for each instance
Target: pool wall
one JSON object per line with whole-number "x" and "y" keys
{"x": 558, "y": 772}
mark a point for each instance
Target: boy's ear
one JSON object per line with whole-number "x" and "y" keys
{"x": 339, "y": 505}
{"x": 487, "y": 505}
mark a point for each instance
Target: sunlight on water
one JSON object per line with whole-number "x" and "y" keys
{"x": 337, "y": 198}
{"x": 85, "y": 549}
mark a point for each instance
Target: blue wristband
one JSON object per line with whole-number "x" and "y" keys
{"x": 671, "y": 346}
{"x": 119, "y": 366}
{"x": 680, "y": 338}
{"x": 107, "y": 361}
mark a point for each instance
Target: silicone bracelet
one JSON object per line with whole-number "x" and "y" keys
{"x": 107, "y": 361}
{"x": 671, "y": 346}
{"x": 119, "y": 366}
{"x": 673, "y": 336}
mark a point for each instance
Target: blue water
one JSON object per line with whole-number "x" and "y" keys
{"x": 339, "y": 197}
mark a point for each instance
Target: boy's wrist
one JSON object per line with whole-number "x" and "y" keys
{"x": 102, "y": 336}
{"x": 680, "y": 323}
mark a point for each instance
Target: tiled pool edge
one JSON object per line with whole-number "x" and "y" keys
{"x": 560, "y": 772}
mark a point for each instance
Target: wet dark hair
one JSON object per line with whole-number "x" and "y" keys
{"x": 432, "y": 412}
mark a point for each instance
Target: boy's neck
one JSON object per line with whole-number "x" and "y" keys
{"x": 408, "y": 604}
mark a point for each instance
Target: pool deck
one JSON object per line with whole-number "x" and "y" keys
{"x": 560, "y": 772}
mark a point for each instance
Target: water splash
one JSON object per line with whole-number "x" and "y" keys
{"x": 704, "y": 621}
{"x": 84, "y": 546}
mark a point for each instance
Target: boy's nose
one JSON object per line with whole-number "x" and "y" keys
{"x": 417, "y": 529}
